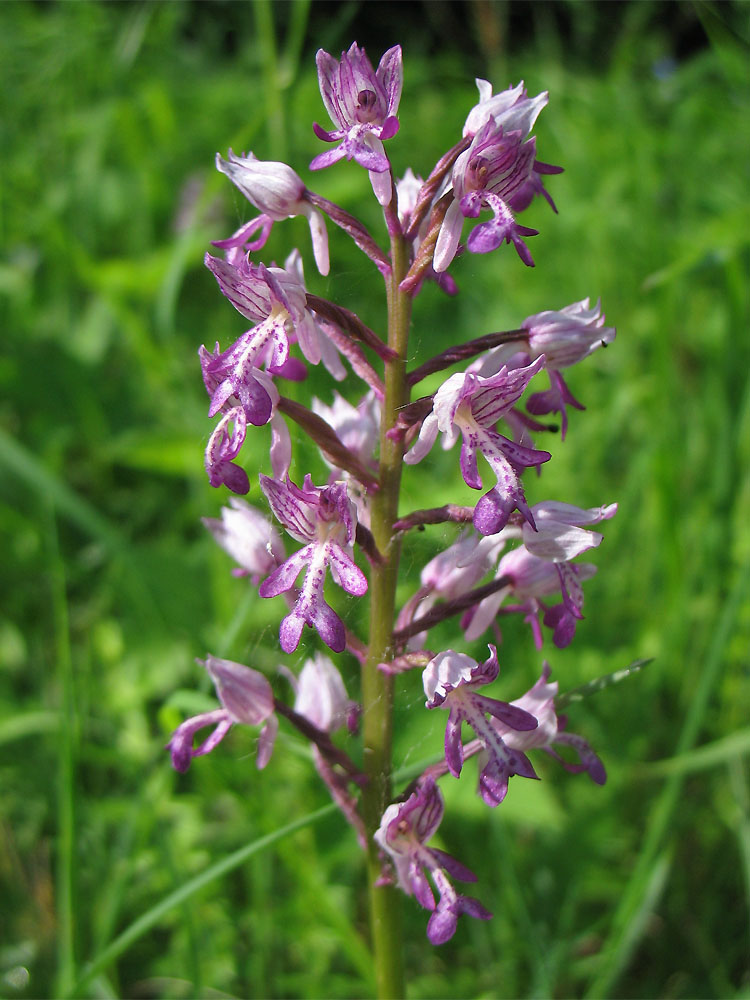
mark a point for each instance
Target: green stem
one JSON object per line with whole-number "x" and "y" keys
{"x": 377, "y": 687}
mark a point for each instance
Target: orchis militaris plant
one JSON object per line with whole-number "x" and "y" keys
{"x": 508, "y": 555}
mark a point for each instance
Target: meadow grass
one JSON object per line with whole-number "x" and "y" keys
{"x": 119, "y": 877}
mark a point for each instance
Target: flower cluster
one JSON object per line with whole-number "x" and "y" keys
{"x": 510, "y": 555}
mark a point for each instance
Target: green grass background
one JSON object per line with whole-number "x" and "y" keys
{"x": 119, "y": 877}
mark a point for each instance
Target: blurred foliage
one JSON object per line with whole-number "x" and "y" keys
{"x": 113, "y": 114}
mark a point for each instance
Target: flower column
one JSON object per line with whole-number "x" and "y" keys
{"x": 377, "y": 686}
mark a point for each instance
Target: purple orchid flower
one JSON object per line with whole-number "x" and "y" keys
{"x": 235, "y": 373}
{"x": 275, "y": 299}
{"x": 277, "y": 191}
{"x": 450, "y": 681}
{"x": 541, "y": 566}
{"x": 513, "y": 109}
{"x": 470, "y": 405}
{"x": 404, "y": 830}
{"x": 531, "y": 579}
{"x": 321, "y": 698}
{"x": 363, "y": 104}
{"x": 246, "y": 699}
{"x": 540, "y": 702}
{"x": 564, "y": 338}
{"x": 357, "y": 427}
{"x": 450, "y": 574}
{"x": 325, "y": 518}
{"x": 490, "y": 173}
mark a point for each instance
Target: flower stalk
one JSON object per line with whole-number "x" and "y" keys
{"x": 377, "y": 685}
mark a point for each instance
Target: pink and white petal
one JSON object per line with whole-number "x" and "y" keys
{"x": 319, "y": 236}
{"x": 390, "y": 74}
{"x": 382, "y": 185}
{"x": 557, "y": 542}
{"x": 266, "y": 742}
{"x": 567, "y": 513}
{"x": 485, "y": 613}
{"x": 331, "y": 358}
{"x": 297, "y": 516}
{"x": 427, "y": 435}
{"x": 281, "y": 447}
{"x": 448, "y": 238}
{"x": 308, "y": 338}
